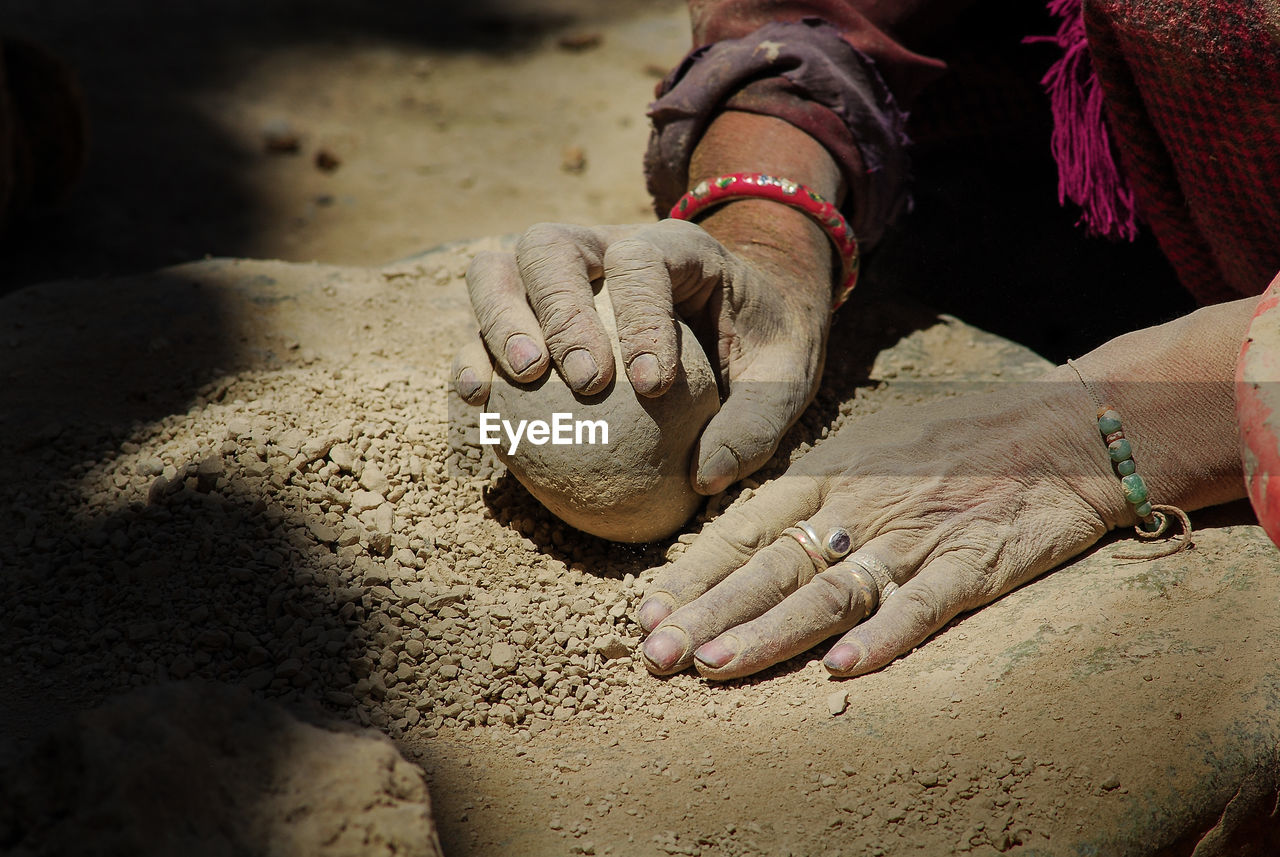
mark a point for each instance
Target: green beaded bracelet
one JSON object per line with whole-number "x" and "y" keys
{"x": 1135, "y": 489}
{"x": 1153, "y": 521}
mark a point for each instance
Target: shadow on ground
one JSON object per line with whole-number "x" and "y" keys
{"x": 157, "y": 562}
{"x": 165, "y": 183}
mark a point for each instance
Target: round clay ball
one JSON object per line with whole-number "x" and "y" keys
{"x": 635, "y": 487}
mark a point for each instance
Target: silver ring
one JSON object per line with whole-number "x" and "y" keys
{"x": 873, "y": 572}
{"x": 808, "y": 540}
{"x": 824, "y": 552}
{"x": 811, "y": 533}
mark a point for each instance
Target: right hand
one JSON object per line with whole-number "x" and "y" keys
{"x": 769, "y": 317}
{"x": 958, "y": 501}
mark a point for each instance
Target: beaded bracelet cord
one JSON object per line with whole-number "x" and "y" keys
{"x": 1153, "y": 520}
{"x": 732, "y": 186}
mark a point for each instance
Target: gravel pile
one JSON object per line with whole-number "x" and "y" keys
{"x": 325, "y": 533}
{"x": 315, "y": 534}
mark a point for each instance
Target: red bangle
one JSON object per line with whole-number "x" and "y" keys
{"x": 759, "y": 186}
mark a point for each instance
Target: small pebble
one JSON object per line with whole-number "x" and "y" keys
{"x": 364, "y": 501}
{"x": 326, "y": 161}
{"x": 344, "y": 456}
{"x": 573, "y": 159}
{"x": 503, "y": 656}
{"x": 372, "y": 479}
{"x": 279, "y": 138}
{"x": 611, "y": 647}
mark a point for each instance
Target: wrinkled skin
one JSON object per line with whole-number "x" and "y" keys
{"x": 770, "y": 370}
{"x": 753, "y": 279}
{"x": 963, "y": 500}
{"x": 958, "y": 513}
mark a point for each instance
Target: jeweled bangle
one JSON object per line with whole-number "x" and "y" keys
{"x": 724, "y": 188}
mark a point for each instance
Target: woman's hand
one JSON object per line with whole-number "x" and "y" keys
{"x": 755, "y": 283}
{"x": 768, "y": 317}
{"x": 961, "y": 501}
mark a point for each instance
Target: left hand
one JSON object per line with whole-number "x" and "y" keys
{"x": 961, "y": 500}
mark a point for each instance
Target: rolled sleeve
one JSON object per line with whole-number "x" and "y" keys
{"x": 802, "y": 72}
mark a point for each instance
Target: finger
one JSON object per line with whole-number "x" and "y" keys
{"x": 507, "y": 324}
{"x": 766, "y": 580}
{"x": 745, "y": 433}
{"x": 472, "y": 373}
{"x": 647, "y": 273}
{"x": 557, "y": 264}
{"x": 640, "y": 289}
{"x": 831, "y": 603}
{"x": 904, "y": 620}
{"x": 727, "y": 544}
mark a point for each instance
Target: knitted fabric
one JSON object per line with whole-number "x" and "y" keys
{"x": 1192, "y": 90}
{"x": 1081, "y": 144}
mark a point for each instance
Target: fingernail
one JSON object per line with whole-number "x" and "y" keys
{"x": 719, "y": 471}
{"x": 718, "y": 652}
{"x": 651, "y": 612}
{"x": 645, "y": 373}
{"x": 579, "y": 368}
{"x": 844, "y": 657}
{"x": 666, "y": 647}
{"x": 468, "y": 383}
{"x": 522, "y": 352}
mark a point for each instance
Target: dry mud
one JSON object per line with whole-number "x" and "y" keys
{"x": 648, "y": 457}
{"x": 247, "y": 473}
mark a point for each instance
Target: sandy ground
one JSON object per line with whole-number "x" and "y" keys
{"x": 250, "y": 473}
{"x": 182, "y": 512}
{"x": 449, "y": 121}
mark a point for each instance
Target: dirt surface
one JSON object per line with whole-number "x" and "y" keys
{"x": 247, "y": 472}
{"x": 211, "y": 124}
{"x": 203, "y": 770}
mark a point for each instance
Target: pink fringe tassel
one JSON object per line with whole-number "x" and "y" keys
{"x": 1087, "y": 173}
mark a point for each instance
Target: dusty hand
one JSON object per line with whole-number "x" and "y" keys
{"x": 962, "y": 501}
{"x": 534, "y": 308}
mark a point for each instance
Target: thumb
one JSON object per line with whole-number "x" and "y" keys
{"x": 745, "y": 433}
{"x": 472, "y": 372}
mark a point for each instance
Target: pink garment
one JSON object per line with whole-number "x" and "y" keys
{"x": 1191, "y": 110}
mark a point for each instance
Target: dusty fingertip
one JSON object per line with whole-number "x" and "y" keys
{"x": 717, "y": 654}
{"x": 654, "y": 609}
{"x": 468, "y": 384}
{"x": 581, "y": 370}
{"x": 646, "y": 375}
{"x": 844, "y": 657}
{"x": 717, "y": 473}
{"x": 522, "y": 353}
{"x": 666, "y": 649}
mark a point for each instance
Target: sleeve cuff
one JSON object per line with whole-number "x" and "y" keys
{"x": 807, "y": 75}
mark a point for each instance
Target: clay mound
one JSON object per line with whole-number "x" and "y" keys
{"x": 635, "y": 487}
{"x": 202, "y": 769}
